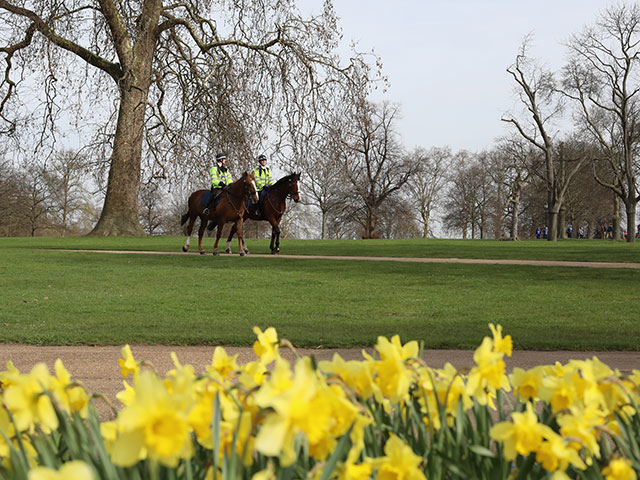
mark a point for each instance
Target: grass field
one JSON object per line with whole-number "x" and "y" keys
{"x": 55, "y": 297}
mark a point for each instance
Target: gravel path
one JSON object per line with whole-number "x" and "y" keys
{"x": 486, "y": 261}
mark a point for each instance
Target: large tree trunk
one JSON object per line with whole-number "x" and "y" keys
{"x": 616, "y": 218}
{"x": 631, "y": 220}
{"x": 425, "y": 224}
{"x": 552, "y": 236}
{"x": 562, "y": 222}
{"x": 120, "y": 213}
{"x": 515, "y": 219}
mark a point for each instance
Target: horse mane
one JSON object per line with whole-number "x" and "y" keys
{"x": 283, "y": 180}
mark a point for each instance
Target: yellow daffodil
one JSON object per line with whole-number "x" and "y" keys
{"x": 266, "y": 347}
{"x": 527, "y": 383}
{"x": 354, "y": 373}
{"x": 521, "y": 436}
{"x": 128, "y": 365}
{"x": 253, "y": 374}
{"x": 9, "y": 376}
{"x": 399, "y": 462}
{"x": 70, "y": 395}
{"x": 488, "y": 374}
{"x": 222, "y": 364}
{"x": 619, "y": 469}
{"x": 304, "y": 407}
{"x": 266, "y": 474}
{"x": 179, "y": 382}
{"x": 28, "y": 401}
{"x": 152, "y": 426}
{"x": 555, "y": 455}
{"x": 352, "y": 471}
{"x": 394, "y": 377}
{"x": 126, "y": 396}
{"x": 582, "y": 423}
{"x": 501, "y": 344}
{"x": 7, "y": 428}
{"x": 75, "y": 470}
{"x": 560, "y": 392}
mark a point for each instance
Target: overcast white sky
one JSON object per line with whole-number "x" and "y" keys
{"x": 446, "y": 59}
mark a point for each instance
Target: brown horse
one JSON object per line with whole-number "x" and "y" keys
{"x": 272, "y": 208}
{"x": 232, "y": 204}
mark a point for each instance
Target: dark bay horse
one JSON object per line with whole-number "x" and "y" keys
{"x": 233, "y": 200}
{"x": 272, "y": 208}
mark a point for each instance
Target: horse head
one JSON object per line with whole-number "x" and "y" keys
{"x": 250, "y": 188}
{"x": 293, "y": 186}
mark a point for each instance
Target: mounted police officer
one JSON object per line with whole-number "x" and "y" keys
{"x": 220, "y": 178}
{"x": 263, "y": 178}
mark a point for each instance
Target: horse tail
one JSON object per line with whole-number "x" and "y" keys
{"x": 184, "y": 218}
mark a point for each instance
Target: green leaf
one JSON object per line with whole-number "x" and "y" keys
{"x": 483, "y": 451}
{"x": 340, "y": 452}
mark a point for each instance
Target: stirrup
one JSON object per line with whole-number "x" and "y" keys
{"x": 205, "y": 211}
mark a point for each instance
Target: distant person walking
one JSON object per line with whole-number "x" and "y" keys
{"x": 538, "y": 232}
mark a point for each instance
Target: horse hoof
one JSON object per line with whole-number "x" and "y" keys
{"x": 247, "y": 252}
{"x": 202, "y": 252}
{"x": 185, "y": 249}
{"x": 242, "y": 254}
{"x": 216, "y": 254}
{"x": 228, "y": 250}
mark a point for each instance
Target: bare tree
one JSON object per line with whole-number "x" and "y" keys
{"x": 34, "y": 199}
{"x": 10, "y": 192}
{"x": 516, "y": 158}
{"x": 426, "y": 186}
{"x": 186, "y": 78}
{"x": 151, "y": 212}
{"x": 538, "y": 94}
{"x": 323, "y": 177}
{"x": 374, "y": 161}
{"x": 67, "y": 180}
{"x": 467, "y": 197}
{"x": 602, "y": 76}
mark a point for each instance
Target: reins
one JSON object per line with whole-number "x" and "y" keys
{"x": 281, "y": 212}
{"x": 242, "y": 197}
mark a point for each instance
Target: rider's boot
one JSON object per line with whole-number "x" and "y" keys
{"x": 207, "y": 208}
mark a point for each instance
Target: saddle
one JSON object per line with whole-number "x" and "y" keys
{"x": 207, "y": 196}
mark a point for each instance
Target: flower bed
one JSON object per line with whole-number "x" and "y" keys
{"x": 387, "y": 416}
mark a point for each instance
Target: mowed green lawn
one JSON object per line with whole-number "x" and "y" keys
{"x": 58, "y": 297}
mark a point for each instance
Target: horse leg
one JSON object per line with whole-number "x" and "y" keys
{"x": 215, "y": 245}
{"x": 186, "y": 246}
{"x": 203, "y": 224}
{"x": 239, "y": 228}
{"x": 275, "y": 239}
{"x": 232, "y": 232}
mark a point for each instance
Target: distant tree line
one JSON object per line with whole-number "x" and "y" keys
{"x": 571, "y": 157}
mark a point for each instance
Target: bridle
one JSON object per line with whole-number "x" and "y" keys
{"x": 290, "y": 194}
{"x": 247, "y": 193}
